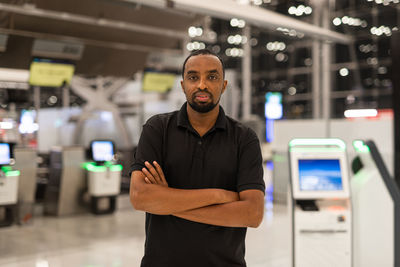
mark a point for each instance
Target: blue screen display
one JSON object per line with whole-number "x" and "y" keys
{"x": 102, "y": 150}
{"x": 5, "y": 154}
{"x": 320, "y": 175}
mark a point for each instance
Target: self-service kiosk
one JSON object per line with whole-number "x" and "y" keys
{"x": 376, "y": 204}
{"x": 8, "y": 185}
{"x": 103, "y": 177}
{"x": 320, "y": 203}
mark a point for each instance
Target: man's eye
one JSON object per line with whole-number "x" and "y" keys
{"x": 192, "y": 78}
{"x": 212, "y": 77}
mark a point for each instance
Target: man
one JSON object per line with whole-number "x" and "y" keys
{"x": 198, "y": 176}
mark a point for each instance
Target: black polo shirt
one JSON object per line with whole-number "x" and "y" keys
{"x": 228, "y": 156}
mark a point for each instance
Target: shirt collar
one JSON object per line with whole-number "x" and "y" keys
{"x": 183, "y": 119}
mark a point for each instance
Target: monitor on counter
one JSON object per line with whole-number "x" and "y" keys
{"x": 319, "y": 175}
{"x": 5, "y": 154}
{"x": 102, "y": 150}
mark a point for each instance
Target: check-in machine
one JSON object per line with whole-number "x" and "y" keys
{"x": 66, "y": 181}
{"x": 8, "y": 185}
{"x": 320, "y": 203}
{"x": 376, "y": 204}
{"x": 103, "y": 177}
{"x": 26, "y": 163}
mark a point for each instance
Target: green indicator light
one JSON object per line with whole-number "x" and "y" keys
{"x": 8, "y": 171}
{"x": 6, "y": 168}
{"x": 12, "y": 173}
{"x": 314, "y": 149}
{"x": 108, "y": 163}
{"x": 360, "y": 146}
{"x": 92, "y": 167}
{"x": 318, "y": 142}
{"x": 116, "y": 168}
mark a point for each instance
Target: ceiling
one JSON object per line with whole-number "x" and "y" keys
{"x": 117, "y": 36}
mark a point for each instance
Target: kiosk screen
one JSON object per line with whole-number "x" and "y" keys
{"x": 320, "y": 175}
{"x": 5, "y": 154}
{"x": 102, "y": 150}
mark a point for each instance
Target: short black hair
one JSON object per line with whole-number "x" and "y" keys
{"x": 203, "y": 52}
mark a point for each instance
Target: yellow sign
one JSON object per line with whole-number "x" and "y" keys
{"x": 50, "y": 74}
{"x": 158, "y": 82}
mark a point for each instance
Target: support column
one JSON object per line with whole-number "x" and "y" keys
{"x": 326, "y": 71}
{"x": 246, "y": 75}
{"x": 65, "y": 96}
{"x": 395, "y": 103}
{"x": 36, "y": 97}
{"x": 316, "y": 68}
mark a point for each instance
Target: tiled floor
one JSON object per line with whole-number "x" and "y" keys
{"x": 117, "y": 240}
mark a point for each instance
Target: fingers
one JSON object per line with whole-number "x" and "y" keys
{"x": 160, "y": 172}
{"x": 148, "y": 176}
{"x": 153, "y": 172}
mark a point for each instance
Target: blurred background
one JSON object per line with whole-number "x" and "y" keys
{"x": 74, "y": 72}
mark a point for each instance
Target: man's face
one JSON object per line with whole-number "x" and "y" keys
{"x": 203, "y": 82}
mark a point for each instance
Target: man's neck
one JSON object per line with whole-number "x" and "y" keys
{"x": 202, "y": 122}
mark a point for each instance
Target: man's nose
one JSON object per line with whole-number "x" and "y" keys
{"x": 202, "y": 84}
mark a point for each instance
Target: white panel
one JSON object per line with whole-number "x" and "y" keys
{"x": 57, "y": 49}
{"x": 380, "y": 131}
{"x": 8, "y": 190}
{"x": 321, "y": 240}
{"x": 286, "y": 130}
{"x": 55, "y": 128}
{"x": 373, "y": 219}
{"x": 106, "y": 183}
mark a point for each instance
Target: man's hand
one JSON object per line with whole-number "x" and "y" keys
{"x": 154, "y": 174}
{"x": 150, "y": 192}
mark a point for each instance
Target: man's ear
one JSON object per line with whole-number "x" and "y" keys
{"x": 224, "y": 86}
{"x": 182, "y": 86}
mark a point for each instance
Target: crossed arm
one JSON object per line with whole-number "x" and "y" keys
{"x": 150, "y": 192}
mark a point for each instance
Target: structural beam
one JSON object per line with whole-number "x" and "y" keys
{"x": 109, "y": 23}
{"x": 92, "y": 42}
{"x": 227, "y": 9}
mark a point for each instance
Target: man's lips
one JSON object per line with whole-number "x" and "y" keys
{"x": 202, "y": 97}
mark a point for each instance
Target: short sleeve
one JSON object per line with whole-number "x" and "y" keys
{"x": 250, "y": 172}
{"x": 150, "y": 145}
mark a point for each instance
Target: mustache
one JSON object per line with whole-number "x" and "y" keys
{"x": 202, "y": 92}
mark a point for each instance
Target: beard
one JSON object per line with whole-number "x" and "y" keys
{"x": 202, "y": 107}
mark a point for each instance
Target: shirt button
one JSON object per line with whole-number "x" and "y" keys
{"x": 199, "y": 142}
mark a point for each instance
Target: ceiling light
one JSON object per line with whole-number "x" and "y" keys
{"x": 14, "y": 75}
{"x": 281, "y": 57}
{"x": 360, "y": 113}
{"x": 199, "y": 31}
{"x": 192, "y": 31}
{"x": 344, "y": 72}
{"x": 6, "y": 125}
{"x": 292, "y": 10}
{"x": 234, "y": 22}
{"x": 241, "y": 23}
{"x": 189, "y": 47}
{"x": 253, "y": 41}
{"x": 382, "y": 70}
{"x": 292, "y": 90}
